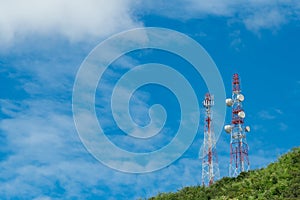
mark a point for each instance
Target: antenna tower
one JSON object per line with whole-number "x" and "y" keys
{"x": 210, "y": 169}
{"x": 239, "y": 161}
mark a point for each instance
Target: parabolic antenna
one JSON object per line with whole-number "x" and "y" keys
{"x": 240, "y": 97}
{"x": 247, "y": 129}
{"x": 242, "y": 114}
{"x": 229, "y": 102}
{"x": 228, "y": 128}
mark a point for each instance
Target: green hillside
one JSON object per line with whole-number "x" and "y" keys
{"x": 280, "y": 180}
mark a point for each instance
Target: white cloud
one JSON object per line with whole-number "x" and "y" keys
{"x": 45, "y": 160}
{"x": 255, "y": 15}
{"x": 270, "y": 114}
{"x": 259, "y": 128}
{"x": 266, "y": 18}
{"x": 84, "y": 20}
{"x": 283, "y": 126}
{"x": 236, "y": 40}
{"x": 76, "y": 20}
{"x": 262, "y": 156}
{"x": 214, "y": 7}
{"x": 264, "y": 114}
{"x": 42, "y": 149}
{"x": 296, "y": 89}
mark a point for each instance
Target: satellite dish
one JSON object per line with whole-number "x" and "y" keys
{"x": 228, "y": 128}
{"x": 242, "y": 114}
{"x": 247, "y": 128}
{"x": 229, "y": 102}
{"x": 240, "y": 97}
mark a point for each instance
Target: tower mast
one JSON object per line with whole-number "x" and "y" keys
{"x": 239, "y": 161}
{"x": 210, "y": 169}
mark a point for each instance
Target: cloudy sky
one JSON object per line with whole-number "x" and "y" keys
{"x": 44, "y": 43}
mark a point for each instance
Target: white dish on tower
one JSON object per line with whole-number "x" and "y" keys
{"x": 247, "y": 129}
{"x": 229, "y": 102}
{"x": 242, "y": 114}
{"x": 240, "y": 97}
{"x": 228, "y": 128}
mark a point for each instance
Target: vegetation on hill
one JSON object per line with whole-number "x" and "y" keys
{"x": 280, "y": 180}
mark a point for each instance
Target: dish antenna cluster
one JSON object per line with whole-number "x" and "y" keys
{"x": 239, "y": 161}
{"x": 210, "y": 169}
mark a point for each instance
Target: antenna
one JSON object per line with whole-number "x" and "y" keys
{"x": 210, "y": 168}
{"x": 239, "y": 161}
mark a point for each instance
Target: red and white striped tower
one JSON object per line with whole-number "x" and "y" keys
{"x": 239, "y": 161}
{"x": 210, "y": 169}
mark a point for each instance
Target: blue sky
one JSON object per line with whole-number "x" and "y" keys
{"x": 44, "y": 43}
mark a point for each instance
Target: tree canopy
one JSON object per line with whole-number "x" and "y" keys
{"x": 280, "y": 180}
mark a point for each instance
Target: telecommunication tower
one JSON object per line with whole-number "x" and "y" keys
{"x": 239, "y": 161}
{"x": 210, "y": 168}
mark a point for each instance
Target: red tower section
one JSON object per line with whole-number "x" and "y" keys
{"x": 239, "y": 161}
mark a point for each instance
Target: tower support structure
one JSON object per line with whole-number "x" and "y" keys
{"x": 210, "y": 168}
{"x": 239, "y": 160}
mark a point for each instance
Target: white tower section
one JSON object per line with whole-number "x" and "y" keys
{"x": 210, "y": 168}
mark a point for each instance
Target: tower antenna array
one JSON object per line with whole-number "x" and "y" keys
{"x": 210, "y": 169}
{"x": 239, "y": 161}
